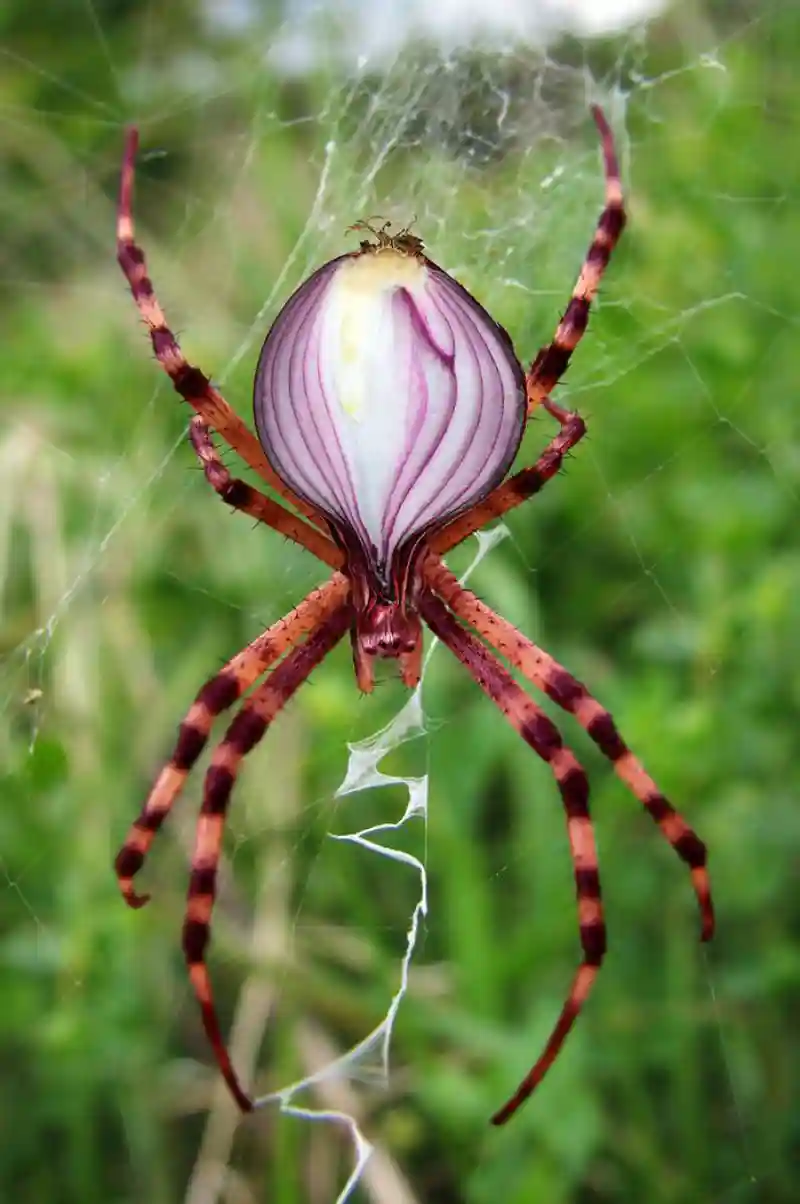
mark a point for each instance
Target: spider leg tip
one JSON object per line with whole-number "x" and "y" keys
{"x": 131, "y": 139}
{"x": 703, "y": 892}
{"x": 600, "y": 119}
{"x": 135, "y": 901}
{"x": 501, "y": 1116}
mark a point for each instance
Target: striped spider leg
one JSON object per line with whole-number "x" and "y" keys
{"x": 246, "y": 730}
{"x": 541, "y": 669}
{"x": 217, "y": 696}
{"x": 552, "y": 362}
{"x": 322, "y": 618}
{"x": 318, "y": 618}
{"x": 571, "y": 695}
{"x": 196, "y": 389}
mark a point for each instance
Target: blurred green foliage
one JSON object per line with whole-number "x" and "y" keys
{"x": 663, "y": 568}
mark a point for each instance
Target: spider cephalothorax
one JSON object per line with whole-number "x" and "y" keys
{"x": 385, "y": 620}
{"x": 389, "y": 407}
{"x": 402, "y": 241}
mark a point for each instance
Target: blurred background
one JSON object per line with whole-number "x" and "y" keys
{"x": 662, "y": 567}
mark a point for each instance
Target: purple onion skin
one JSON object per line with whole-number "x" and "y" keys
{"x": 388, "y": 398}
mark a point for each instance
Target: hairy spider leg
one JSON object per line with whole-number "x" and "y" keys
{"x": 216, "y": 696}
{"x": 241, "y": 496}
{"x": 544, "y": 738}
{"x": 244, "y": 733}
{"x": 572, "y": 696}
{"x": 192, "y": 384}
{"x": 516, "y": 489}
{"x": 551, "y": 363}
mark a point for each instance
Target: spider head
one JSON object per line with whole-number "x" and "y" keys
{"x": 386, "y": 623}
{"x": 387, "y": 629}
{"x": 390, "y": 630}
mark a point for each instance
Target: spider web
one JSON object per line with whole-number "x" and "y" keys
{"x": 477, "y": 126}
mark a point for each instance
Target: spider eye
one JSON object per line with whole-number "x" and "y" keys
{"x": 387, "y": 397}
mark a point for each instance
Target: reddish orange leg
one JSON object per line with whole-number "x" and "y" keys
{"x": 244, "y": 497}
{"x": 543, "y": 737}
{"x": 216, "y": 696}
{"x": 572, "y": 696}
{"x": 193, "y": 386}
{"x": 551, "y": 363}
{"x": 241, "y": 737}
{"x": 516, "y": 489}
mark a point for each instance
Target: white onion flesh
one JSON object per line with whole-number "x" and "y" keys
{"x": 387, "y": 397}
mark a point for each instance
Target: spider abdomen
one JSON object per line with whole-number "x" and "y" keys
{"x": 388, "y": 398}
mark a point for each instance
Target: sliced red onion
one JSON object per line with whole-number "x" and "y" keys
{"x": 387, "y": 397}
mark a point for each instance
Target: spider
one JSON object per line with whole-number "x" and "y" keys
{"x": 389, "y": 407}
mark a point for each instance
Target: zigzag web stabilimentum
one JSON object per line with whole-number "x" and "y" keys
{"x": 369, "y": 1060}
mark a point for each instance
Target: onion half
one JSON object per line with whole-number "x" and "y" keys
{"x": 387, "y": 397}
